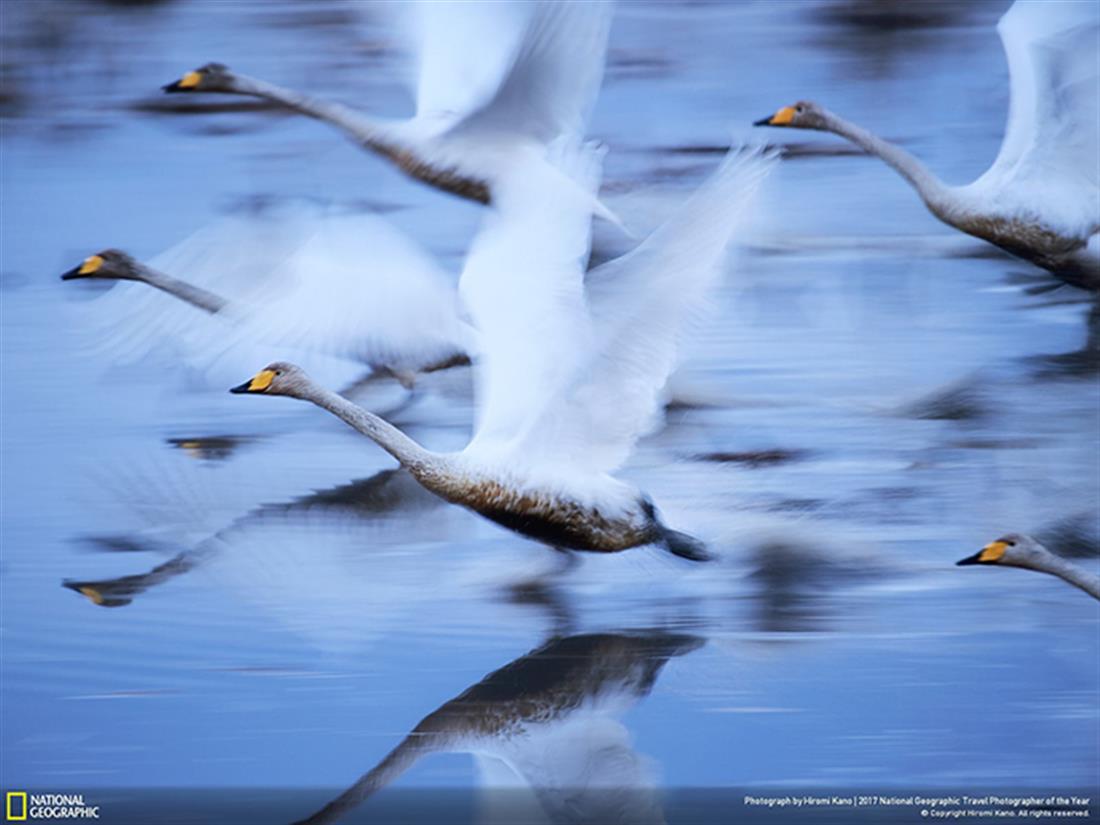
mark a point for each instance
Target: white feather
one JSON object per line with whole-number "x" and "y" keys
{"x": 571, "y": 372}
{"x": 507, "y": 67}
{"x": 1049, "y": 162}
{"x": 298, "y": 280}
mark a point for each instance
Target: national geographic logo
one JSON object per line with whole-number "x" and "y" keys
{"x": 19, "y": 806}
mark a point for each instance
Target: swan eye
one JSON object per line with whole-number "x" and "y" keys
{"x": 1010, "y": 543}
{"x": 799, "y": 109}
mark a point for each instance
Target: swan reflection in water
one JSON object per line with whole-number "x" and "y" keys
{"x": 334, "y": 564}
{"x": 370, "y": 499}
{"x": 549, "y": 721}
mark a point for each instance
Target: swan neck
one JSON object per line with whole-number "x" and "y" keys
{"x": 196, "y": 296}
{"x": 931, "y": 189}
{"x": 360, "y": 128}
{"x": 1070, "y": 573}
{"x": 385, "y": 435}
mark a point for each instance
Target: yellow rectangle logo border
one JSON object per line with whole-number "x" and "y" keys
{"x": 7, "y": 805}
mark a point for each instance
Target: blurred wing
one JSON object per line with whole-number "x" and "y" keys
{"x": 523, "y": 286}
{"x": 639, "y": 304}
{"x": 230, "y": 258}
{"x": 463, "y": 50}
{"x": 551, "y": 85}
{"x": 358, "y": 288}
{"x": 1054, "y": 112}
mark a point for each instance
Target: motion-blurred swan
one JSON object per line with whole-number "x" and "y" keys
{"x": 550, "y": 718}
{"x": 497, "y": 83}
{"x": 1040, "y": 199}
{"x": 570, "y": 369}
{"x": 1016, "y": 550}
{"x": 349, "y": 286}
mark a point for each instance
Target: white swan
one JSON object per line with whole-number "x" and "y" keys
{"x": 570, "y": 370}
{"x": 1016, "y": 550}
{"x": 498, "y": 82}
{"x": 349, "y": 286}
{"x": 551, "y": 718}
{"x": 1040, "y": 200}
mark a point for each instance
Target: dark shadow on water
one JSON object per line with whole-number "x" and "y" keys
{"x": 965, "y": 400}
{"x": 1080, "y": 363}
{"x": 880, "y": 34}
{"x": 874, "y": 17}
{"x": 210, "y": 448}
{"x": 1075, "y": 537}
{"x": 793, "y": 584}
{"x": 754, "y": 459}
{"x": 187, "y": 106}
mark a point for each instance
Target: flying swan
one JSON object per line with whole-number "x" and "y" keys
{"x": 570, "y": 369}
{"x": 1040, "y": 200}
{"x": 347, "y": 285}
{"x": 497, "y": 84}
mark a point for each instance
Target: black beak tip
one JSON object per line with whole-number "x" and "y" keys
{"x": 240, "y": 388}
{"x": 71, "y": 274}
{"x": 764, "y": 121}
{"x": 969, "y": 560}
{"x": 174, "y": 86}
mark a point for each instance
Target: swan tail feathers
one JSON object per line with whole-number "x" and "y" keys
{"x": 685, "y": 546}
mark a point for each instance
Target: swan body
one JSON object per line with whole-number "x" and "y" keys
{"x": 571, "y": 368}
{"x": 550, "y": 716}
{"x": 346, "y": 286}
{"x": 606, "y": 516}
{"x": 1016, "y": 550}
{"x": 1040, "y": 200}
{"x": 497, "y": 84}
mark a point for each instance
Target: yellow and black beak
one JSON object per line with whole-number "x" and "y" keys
{"x": 90, "y": 267}
{"x": 781, "y": 118}
{"x": 258, "y": 383}
{"x": 990, "y": 554}
{"x": 188, "y": 83}
{"x": 95, "y": 595}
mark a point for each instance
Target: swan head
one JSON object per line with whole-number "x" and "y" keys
{"x": 279, "y": 378}
{"x": 110, "y": 264}
{"x": 804, "y": 114}
{"x": 100, "y": 593}
{"x": 213, "y": 77}
{"x": 1011, "y": 550}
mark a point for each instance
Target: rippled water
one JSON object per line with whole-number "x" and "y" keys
{"x": 876, "y": 400}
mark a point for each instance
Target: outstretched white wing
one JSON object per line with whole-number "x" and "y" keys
{"x": 462, "y": 49}
{"x": 521, "y": 68}
{"x": 523, "y": 286}
{"x": 358, "y": 288}
{"x": 299, "y": 278}
{"x": 231, "y": 258}
{"x": 1053, "y": 131}
{"x": 639, "y": 305}
{"x": 555, "y": 76}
